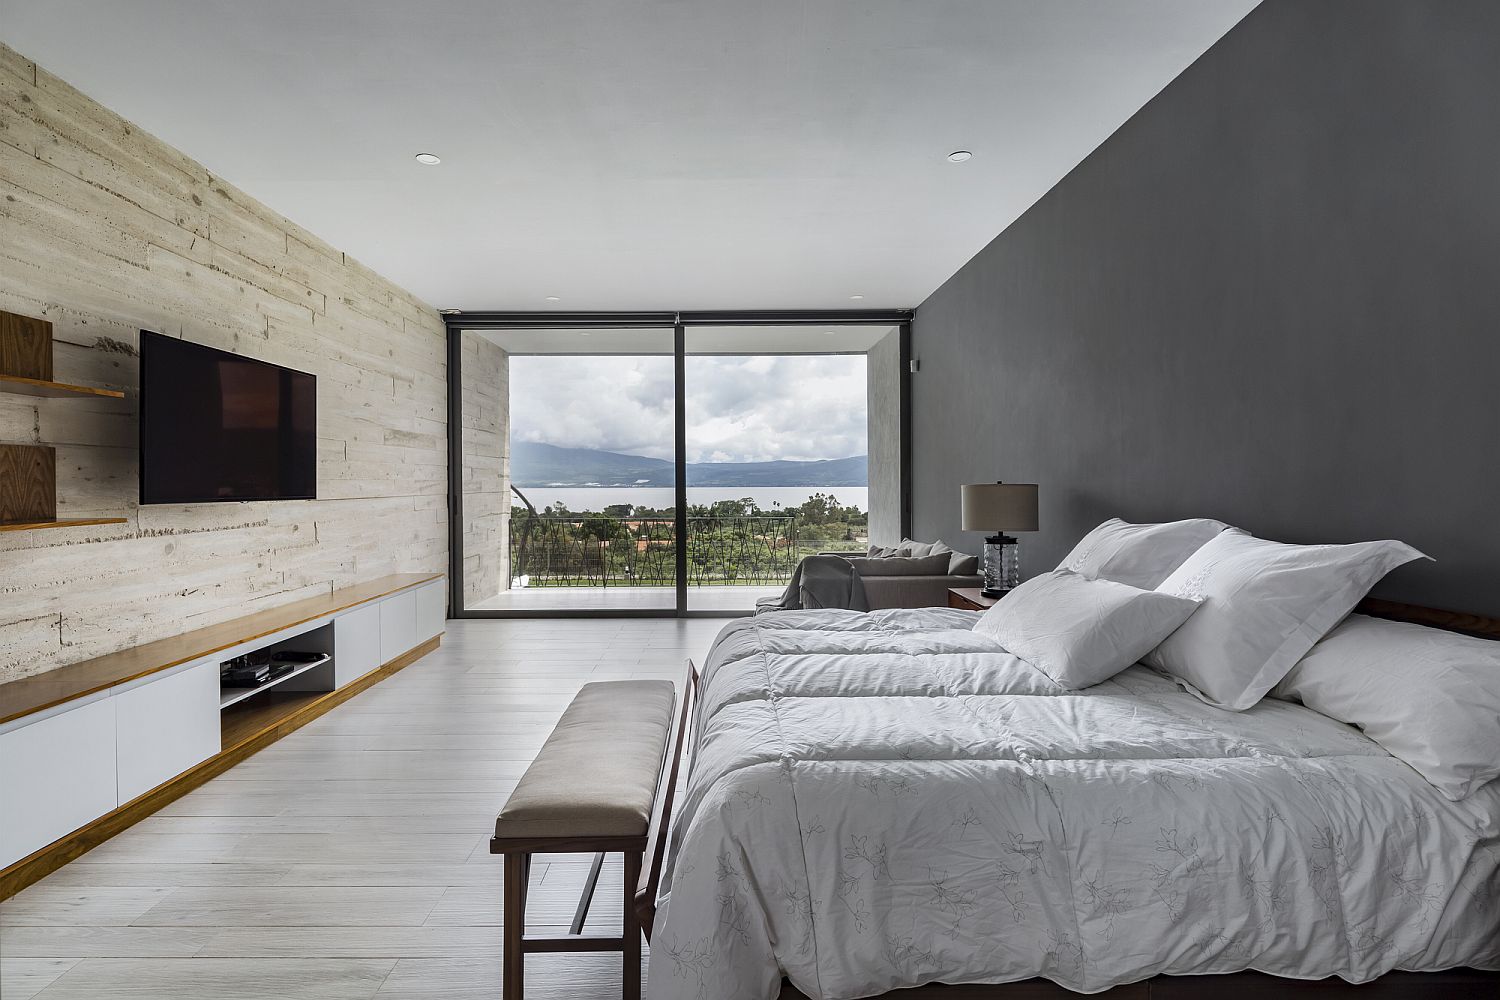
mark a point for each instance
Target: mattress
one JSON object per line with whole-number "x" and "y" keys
{"x": 886, "y": 800}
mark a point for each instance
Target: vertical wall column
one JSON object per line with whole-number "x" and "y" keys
{"x": 883, "y": 367}
{"x": 486, "y": 467}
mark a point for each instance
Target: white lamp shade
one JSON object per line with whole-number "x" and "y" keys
{"x": 998, "y": 507}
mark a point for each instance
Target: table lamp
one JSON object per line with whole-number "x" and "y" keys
{"x": 998, "y": 508}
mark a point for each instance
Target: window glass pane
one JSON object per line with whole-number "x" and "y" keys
{"x": 778, "y": 431}
{"x": 569, "y": 474}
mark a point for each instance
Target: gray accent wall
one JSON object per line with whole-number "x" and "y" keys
{"x": 883, "y": 374}
{"x": 1272, "y": 297}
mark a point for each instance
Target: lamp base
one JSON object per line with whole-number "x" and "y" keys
{"x": 994, "y": 594}
{"x": 1002, "y": 565}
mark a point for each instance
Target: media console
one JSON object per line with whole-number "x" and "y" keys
{"x": 88, "y": 749}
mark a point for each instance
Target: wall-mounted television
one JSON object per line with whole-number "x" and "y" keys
{"x": 220, "y": 427}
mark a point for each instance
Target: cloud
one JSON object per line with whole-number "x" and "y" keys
{"x": 739, "y": 409}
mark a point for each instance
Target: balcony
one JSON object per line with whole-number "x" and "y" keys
{"x": 600, "y": 561}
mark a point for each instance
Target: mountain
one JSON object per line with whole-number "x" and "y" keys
{"x": 830, "y": 472}
{"x": 533, "y": 464}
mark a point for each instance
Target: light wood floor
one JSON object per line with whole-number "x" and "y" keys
{"x": 350, "y": 860}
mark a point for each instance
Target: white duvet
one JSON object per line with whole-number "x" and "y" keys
{"x": 884, "y": 800}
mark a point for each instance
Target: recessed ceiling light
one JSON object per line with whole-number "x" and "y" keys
{"x": 429, "y": 159}
{"x": 830, "y": 333}
{"x": 855, "y": 298}
{"x": 554, "y": 298}
{"x": 959, "y": 156}
{"x": 585, "y": 333}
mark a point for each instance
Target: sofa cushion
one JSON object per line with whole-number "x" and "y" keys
{"x": 962, "y": 564}
{"x": 936, "y": 565}
{"x": 913, "y": 591}
{"x": 910, "y": 547}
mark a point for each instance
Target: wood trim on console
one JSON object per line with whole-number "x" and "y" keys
{"x": 22, "y": 697}
{"x": 49, "y": 859}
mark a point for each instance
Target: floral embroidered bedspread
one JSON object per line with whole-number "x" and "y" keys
{"x": 886, "y": 800}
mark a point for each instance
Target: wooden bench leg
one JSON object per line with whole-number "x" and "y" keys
{"x": 632, "y": 929}
{"x": 517, "y": 871}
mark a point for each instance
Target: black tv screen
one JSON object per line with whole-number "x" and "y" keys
{"x": 217, "y": 426}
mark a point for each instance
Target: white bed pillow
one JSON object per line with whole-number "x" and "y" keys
{"x": 1079, "y": 631}
{"x": 1264, "y": 605}
{"x": 1431, "y": 698}
{"x": 1141, "y": 555}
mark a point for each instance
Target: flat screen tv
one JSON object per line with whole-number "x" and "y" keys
{"x": 218, "y": 427}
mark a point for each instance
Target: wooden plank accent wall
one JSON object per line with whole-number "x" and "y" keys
{"x": 486, "y": 479}
{"x": 107, "y": 231}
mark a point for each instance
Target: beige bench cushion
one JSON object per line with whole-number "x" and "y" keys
{"x": 596, "y": 774}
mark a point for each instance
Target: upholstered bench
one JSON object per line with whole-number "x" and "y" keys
{"x": 601, "y": 784}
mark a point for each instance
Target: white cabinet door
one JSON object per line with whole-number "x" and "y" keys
{"x": 165, "y": 725}
{"x": 432, "y": 610}
{"x": 398, "y": 625}
{"x": 56, "y": 775}
{"x": 356, "y": 644}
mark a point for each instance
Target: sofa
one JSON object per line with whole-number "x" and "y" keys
{"x": 913, "y": 574}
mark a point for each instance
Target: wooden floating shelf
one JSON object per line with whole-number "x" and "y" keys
{"x": 57, "y": 522}
{"x": 19, "y": 386}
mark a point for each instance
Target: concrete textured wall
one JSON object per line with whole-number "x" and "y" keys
{"x": 106, "y": 231}
{"x": 883, "y": 372}
{"x": 1270, "y": 298}
{"x": 486, "y": 479}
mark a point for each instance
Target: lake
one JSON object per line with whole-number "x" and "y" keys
{"x": 596, "y": 498}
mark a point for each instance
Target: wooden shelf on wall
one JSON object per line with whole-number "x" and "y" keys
{"x": 28, "y": 490}
{"x": 28, "y": 472}
{"x": 19, "y": 386}
{"x": 58, "y": 522}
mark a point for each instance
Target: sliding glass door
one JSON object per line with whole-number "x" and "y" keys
{"x": 778, "y": 459}
{"x": 658, "y": 469}
{"x": 569, "y": 485}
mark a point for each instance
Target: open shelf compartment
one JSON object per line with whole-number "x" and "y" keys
{"x": 246, "y": 712}
{"x": 233, "y": 695}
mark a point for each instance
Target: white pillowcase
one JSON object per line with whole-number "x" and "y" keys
{"x": 1431, "y": 698}
{"x": 1141, "y": 555}
{"x": 1080, "y": 631}
{"x": 1264, "y": 605}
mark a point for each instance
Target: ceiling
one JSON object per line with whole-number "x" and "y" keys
{"x": 633, "y": 154}
{"x": 733, "y": 340}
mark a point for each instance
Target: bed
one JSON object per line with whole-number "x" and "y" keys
{"x": 886, "y": 800}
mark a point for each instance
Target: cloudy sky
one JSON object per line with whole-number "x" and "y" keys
{"x": 739, "y": 409}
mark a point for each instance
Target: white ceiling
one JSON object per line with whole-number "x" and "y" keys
{"x": 633, "y": 154}
{"x": 735, "y": 340}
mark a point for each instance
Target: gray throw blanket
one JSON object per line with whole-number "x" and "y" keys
{"x": 820, "y": 582}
